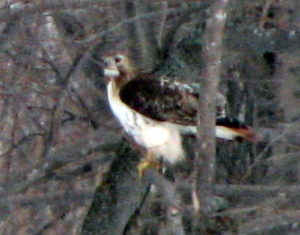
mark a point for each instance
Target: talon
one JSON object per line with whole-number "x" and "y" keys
{"x": 146, "y": 164}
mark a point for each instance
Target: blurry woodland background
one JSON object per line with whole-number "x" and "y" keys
{"x": 66, "y": 167}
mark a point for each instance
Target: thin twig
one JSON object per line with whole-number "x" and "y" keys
{"x": 59, "y": 158}
{"x": 162, "y": 25}
{"x": 263, "y": 17}
{"x": 259, "y": 158}
{"x": 267, "y": 224}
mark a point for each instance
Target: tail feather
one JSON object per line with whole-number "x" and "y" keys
{"x": 226, "y": 128}
{"x": 233, "y": 129}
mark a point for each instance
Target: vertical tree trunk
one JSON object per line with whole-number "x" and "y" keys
{"x": 204, "y": 170}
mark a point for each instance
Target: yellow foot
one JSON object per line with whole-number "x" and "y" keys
{"x": 146, "y": 164}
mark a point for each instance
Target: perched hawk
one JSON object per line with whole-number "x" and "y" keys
{"x": 156, "y": 112}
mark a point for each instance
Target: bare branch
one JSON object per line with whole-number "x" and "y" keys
{"x": 266, "y": 9}
{"x": 141, "y": 42}
{"x": 59, "y": 158}
{"x": 187, "y": 10}
{"x": 15, "y": 11}
{"x": 234, "y": 190}
{"x": 286, "y": 221}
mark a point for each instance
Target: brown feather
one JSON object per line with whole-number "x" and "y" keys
{"x": 161, "y": 100}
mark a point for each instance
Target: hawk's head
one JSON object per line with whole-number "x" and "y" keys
{"x": 118, "y": 66}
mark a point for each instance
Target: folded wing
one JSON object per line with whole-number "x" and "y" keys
{"x": 174, "y": 102}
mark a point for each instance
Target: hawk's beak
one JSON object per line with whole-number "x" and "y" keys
{"x": 110, "y": 70}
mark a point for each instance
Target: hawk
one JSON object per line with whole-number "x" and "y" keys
{"x": 156, "y": 112}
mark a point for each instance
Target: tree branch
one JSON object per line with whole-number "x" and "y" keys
{"x": 61, "y": 157}
{"x": 285, "y": 222}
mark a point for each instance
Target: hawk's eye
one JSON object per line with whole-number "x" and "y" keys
{"x": 118, "y": 59}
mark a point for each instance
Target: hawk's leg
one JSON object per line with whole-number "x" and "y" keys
{"x": 150, "y": 161}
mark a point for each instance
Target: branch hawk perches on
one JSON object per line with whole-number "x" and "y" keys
{"x": 156, "y": 112}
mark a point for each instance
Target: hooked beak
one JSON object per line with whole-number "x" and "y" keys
{"x": 110, "y": 70}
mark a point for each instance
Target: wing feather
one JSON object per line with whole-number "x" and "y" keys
{"x": 162, "y": 100}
